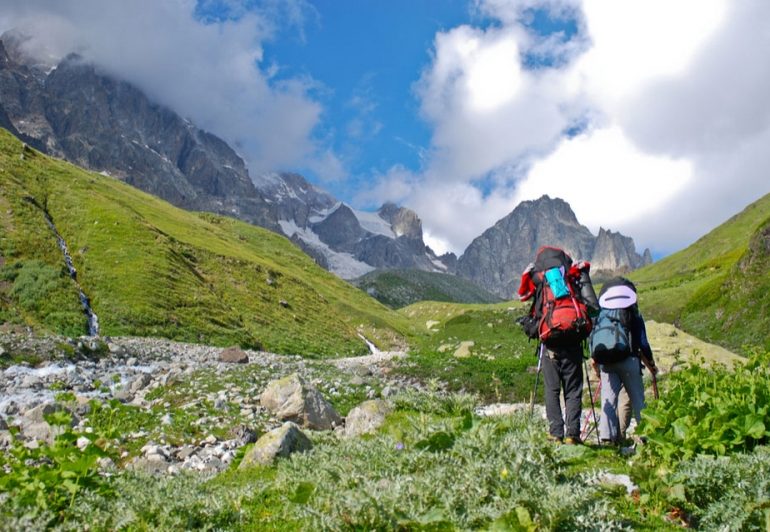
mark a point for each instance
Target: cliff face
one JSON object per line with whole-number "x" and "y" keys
{"x": 496, "y": 259}
{"x": 79, "y": 112}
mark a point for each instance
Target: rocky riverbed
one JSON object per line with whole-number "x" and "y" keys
{"x": 182, "y": 406}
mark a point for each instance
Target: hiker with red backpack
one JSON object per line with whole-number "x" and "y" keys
{"x": 559, "y": 319}
{"x": 619, "y": 347}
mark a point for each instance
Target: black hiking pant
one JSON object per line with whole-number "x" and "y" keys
{"x": 563, "y": 370}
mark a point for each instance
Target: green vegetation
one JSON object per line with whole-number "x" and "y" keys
{"x": 710, "y": 410}
{"x": 399, "y": 288}
{"x": 154, "y": 270}
{"x": 476, "y": 348}
{"x": 717, "y": 288}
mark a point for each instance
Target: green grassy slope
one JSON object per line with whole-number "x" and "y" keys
{"x": 476, "y": 348}
{"x": 151, "y": 269}
{"x": 399, "y": 288}
{"x": 717, "y": 288}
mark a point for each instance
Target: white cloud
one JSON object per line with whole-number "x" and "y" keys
{"x": 605, "y": 178}
{"x": 211, "y": 73}
{"x": 673, "y": 95}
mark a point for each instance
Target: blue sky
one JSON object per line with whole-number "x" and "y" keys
{"x": 367, "y": 55}
{"x": 650, "y": 118}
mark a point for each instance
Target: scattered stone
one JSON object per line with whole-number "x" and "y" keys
{"x": 140, "y": 383}
{"x": 617, "y": 480}
{"x": 244, "y": 435}
{"x": 152, "y": 467}
{"x": 292, "y": 399}
{"x": 234, "y": 355}
{"x": 464, "y": 351}
{"x": 366, "y": 417}
{"x": 280, "y": 442}
{"x": 3, "y": 424}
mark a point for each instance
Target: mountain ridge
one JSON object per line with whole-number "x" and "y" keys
{"x": 496, "y": 258}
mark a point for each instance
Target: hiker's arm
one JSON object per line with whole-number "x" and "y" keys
{"x": 639, "y": 333}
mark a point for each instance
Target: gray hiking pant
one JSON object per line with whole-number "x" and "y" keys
{"x": 563, "y": 369}
{"x": 624, "y": 374}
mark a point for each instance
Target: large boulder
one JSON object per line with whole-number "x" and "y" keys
{"x": 280, "y": 442}
{"x": 366, "y": 417}
{"x": 292, "y": 399}
{"x": 234, "y": 355}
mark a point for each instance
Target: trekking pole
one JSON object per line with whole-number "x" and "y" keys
{"x": 537, "y": 377}
{"x": 593, "y": 409}
{"x": 587, "y": 428}
{"x": 655, "y": 394}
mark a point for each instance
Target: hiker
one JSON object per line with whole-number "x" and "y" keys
{"x": 619, "y": 347}
{"x": 559, "y": 319}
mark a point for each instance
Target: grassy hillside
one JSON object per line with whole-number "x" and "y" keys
{"x": 719, "y": 287}
{"x": 399, "y": 288}
{"x": 151, "y": 269}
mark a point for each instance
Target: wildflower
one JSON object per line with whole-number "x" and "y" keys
{"x": 504, "y": 473}
{"x": 399, "y": 446}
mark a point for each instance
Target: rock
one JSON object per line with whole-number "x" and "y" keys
{"x": 244, "y": 435}
{"x": 366, "y": 417}
{"x": 464, "y": 350}
{"x": 234, "y": 355}
{"x": 38, "y": 413}
{"x": 617, "y": 480}
{"x": 357, "y": 381}
{"x": 280, "y": 442}
{"x": 42, "y": 432}
{"x": 140, "y": 383}
{"x": 152, "y": 467}
{"x": 3, "y": 424}
{"x": 105, "y": 463}
{"x": 292, "y": 399}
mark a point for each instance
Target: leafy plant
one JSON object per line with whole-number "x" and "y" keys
{"x": 49, "y": 478}
{"x": 710, "y": 411}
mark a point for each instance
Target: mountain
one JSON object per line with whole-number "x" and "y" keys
{"x": 717, "y": 288}
{"x": 496, "y": 259}
{"x": 79, "y": 112}
{"x": 150, "y": 269}
{"x": 399, "y": 288}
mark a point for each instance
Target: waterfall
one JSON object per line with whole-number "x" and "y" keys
{"x": 93, "y": 319}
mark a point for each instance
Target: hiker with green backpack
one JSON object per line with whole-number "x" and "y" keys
{"x": 561, "y": 294}
{"x": 619, "y": 347}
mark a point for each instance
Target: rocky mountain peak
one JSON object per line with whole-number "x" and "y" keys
{"x": 496, "y": 259}
{"x": 403, "y": 221}
{"x": 616, "y": 253}
{"x": 340, "y": 230}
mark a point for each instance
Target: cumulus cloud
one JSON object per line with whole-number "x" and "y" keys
{"x": 213, "y": 73}
{"x": 650, "y": 119}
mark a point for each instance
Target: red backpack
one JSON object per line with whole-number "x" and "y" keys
{"x": 561, "y": 317}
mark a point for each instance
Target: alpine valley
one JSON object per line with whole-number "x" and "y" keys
{"x": 180, "y": 347}
{"x": 76, "y": 111}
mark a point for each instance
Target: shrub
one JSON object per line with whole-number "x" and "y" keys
{"x": 711, "y": 411}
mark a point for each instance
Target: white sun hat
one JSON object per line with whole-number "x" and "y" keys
{"x": 620, "y": 296}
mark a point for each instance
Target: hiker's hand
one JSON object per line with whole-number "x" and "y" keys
{"x": 652, "y": 368}
{"x": 582, "y": 265}
{"x": 530, "y": 267}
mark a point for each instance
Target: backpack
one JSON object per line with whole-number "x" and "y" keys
{"x": 611, "y": 340}
{"x": 561, "y": 317}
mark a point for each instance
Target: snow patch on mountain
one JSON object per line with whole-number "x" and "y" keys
{"x": 341, "y": 264}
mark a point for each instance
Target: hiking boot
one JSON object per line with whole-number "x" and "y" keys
{"x": 572, "y": 441}
{"x": 608, "y": 443}
{"x": 554, "y": 439}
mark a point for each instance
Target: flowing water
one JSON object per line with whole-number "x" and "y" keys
{"x": 93, "y": 319}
